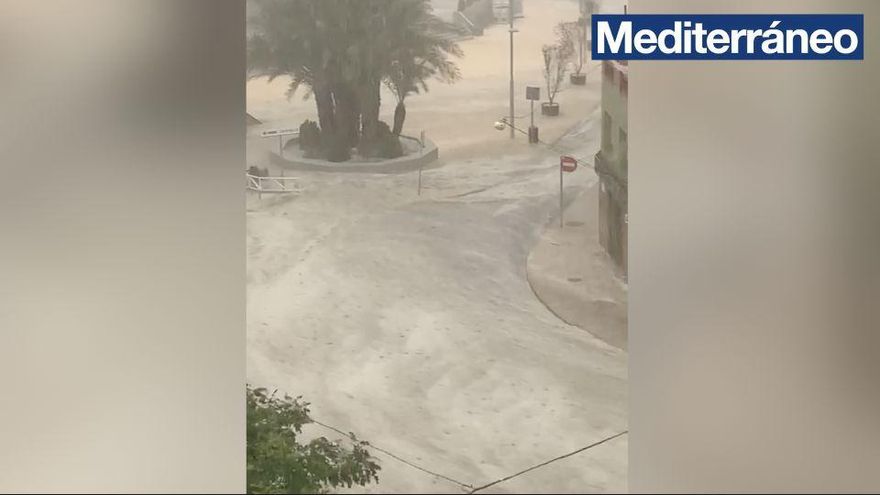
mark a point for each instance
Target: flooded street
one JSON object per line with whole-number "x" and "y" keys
{"x": 408, "y": 319}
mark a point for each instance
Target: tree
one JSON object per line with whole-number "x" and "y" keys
{"x": 400, "y": 43}
{"x": 420, "y": 52}
{"x": 277, "y": 463}
{"x": 555, "y": 59}
{"x": 571, "y": 38}
{"x": 342, "y": 51}
{"x": 285, "y": 41}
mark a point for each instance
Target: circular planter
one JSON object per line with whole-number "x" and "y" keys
{"x": 578, "y": 79}
{"x": 550, "y": 109}
{"x": 411, "y": 161}
{"x": 533, "y": 134}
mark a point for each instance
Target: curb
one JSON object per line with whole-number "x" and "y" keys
{"x": 407, "y": 163}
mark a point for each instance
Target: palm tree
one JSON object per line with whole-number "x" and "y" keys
{"x": 423, "y": 46}
{"x": 399, "y": 43}
{"x": 342, "y": 51}
{"x": 283, "y": 42}
{"x": 366, "y": 28}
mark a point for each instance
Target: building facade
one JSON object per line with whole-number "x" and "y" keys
{"x": 611, "y": 162}
{"x": 587, "y": 7}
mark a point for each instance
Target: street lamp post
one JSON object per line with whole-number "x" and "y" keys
{"x": 510, "y": 20}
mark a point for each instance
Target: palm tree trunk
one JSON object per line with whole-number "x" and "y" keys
{"x": 324, "y": 103}
{"x": 347, "y": 112}
{"x": 370, "y": 102}
{"x": 399, "y": 117}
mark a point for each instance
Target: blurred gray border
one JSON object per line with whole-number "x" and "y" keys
{"x": 122, "y": 293}
{"x": 754, "y": 267}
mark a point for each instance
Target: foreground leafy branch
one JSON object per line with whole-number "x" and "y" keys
{"x": 277, "y": 463}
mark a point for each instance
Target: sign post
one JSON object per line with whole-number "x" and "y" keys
{"x": 280, "y": 133}
{"x": 421, "y": 164}
{"x": 566, "y": 164}
{"x": 533, "y": 93}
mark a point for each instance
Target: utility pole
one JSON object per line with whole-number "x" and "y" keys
{"x": 510, "y": 20}
{"x": 561, "y": 201}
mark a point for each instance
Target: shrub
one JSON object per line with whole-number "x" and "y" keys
{"x": 387, "y": 143}
{"x": 309, "y": 137}
{"x": 278, "y": 463}
{"x": 257, "y": 171}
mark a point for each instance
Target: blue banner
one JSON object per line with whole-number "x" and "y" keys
{"x": 728, "y": 37}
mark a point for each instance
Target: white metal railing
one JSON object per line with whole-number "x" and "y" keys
{"x": 262, "y": 184}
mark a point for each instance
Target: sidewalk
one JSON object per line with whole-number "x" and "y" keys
{"x": 574, "y": 277}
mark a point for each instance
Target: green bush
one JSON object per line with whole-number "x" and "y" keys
{"x": 387, "y": 144}
{"x": 309, "y": 137}
{"x": 278, "y": 463}
{"x": 257, "y": 171}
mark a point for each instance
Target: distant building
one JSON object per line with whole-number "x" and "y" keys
{"x": 501, "y": 9}
{"x": 476, "y": 15}
{"x": 587, "y": 7}
{"x": 444, "y": 9}
{"x": 611, "y": 162}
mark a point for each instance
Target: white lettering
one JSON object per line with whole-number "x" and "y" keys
{"x": 820, "y": 41}
{"x": 750, "y": 40}
{"x": 663, "y": 39}
{"x": 853, "y": 41}
{"x": 803, "y": 37}
{"x": 699, "y": 33}
{"x": 645, "y": 41}
{"x": 624, "y": 37}
{"x": 718, "y": 37}
{"x": 735, "y": 36}
{"x": 687, "y": 37}
{"x": 773, "y": 37}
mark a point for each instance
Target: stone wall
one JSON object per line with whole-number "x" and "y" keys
{"x": 613, "y": 208}
{"x": 612, "y": 162}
